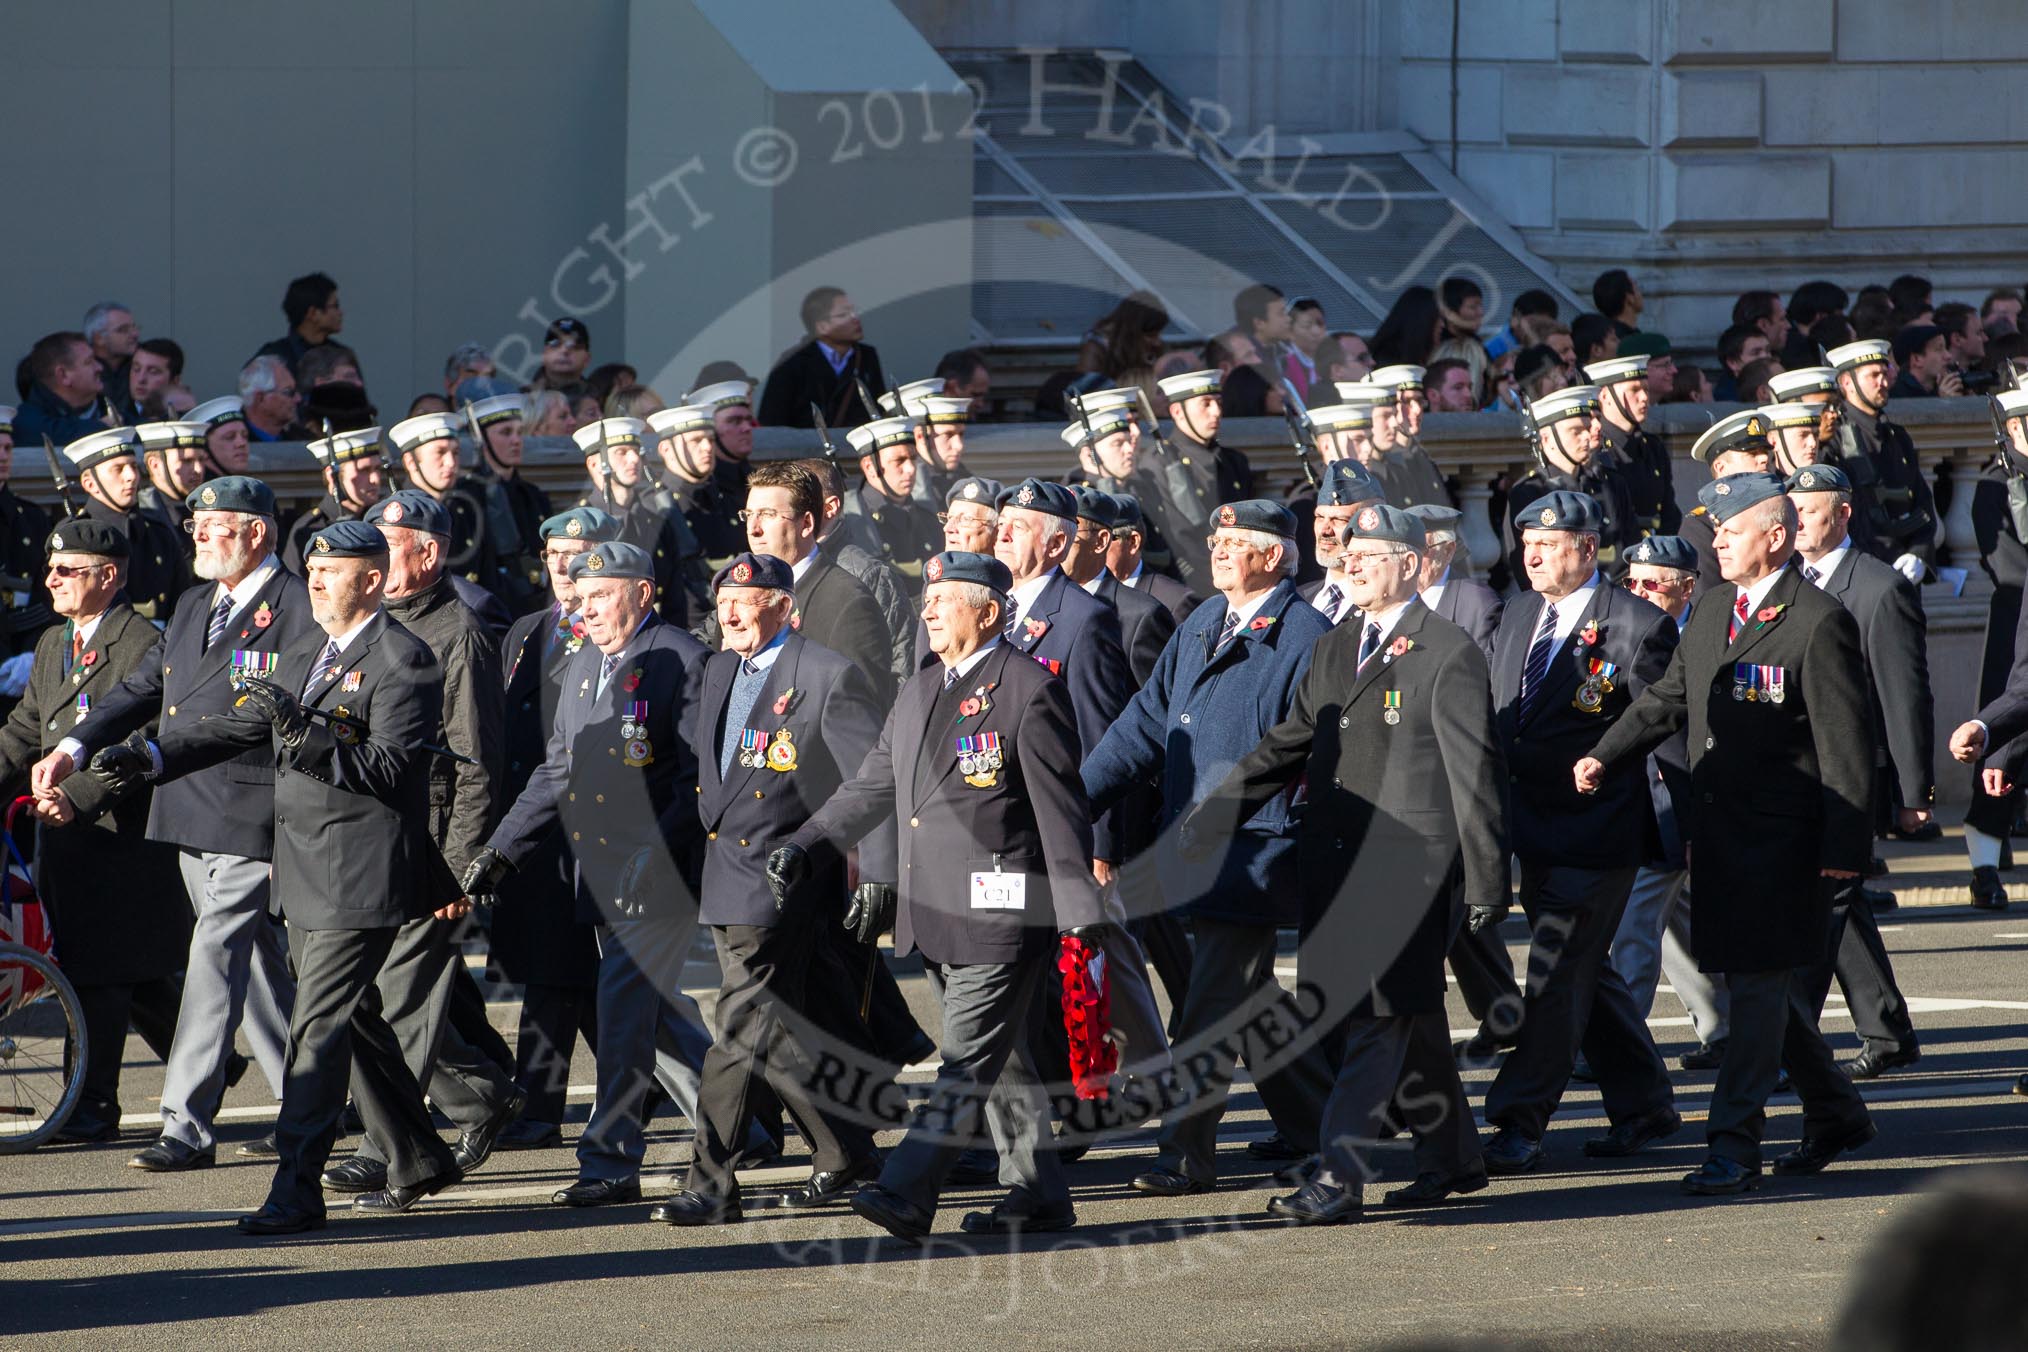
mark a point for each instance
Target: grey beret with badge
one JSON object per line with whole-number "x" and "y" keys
{"x": 1819, "y": 479}
{"x": 1255, "y": 514}
{"x": 347, "y": 540}
{"x": 1563, "y": 509}
{"x": 975, "y": 488}
{"x": 1726, "y": 498}
{"x": 613, "y": 558}
{"x": 1346, "y": 482}
{"x": 960, "y": 565}
{"x": 233, "y": 493}
{"x": 411, "y": 509}
{"x": 1390, "y": 525}
{"x": 580, "y": 523}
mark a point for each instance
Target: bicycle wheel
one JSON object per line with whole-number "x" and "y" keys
{"x": 42, "y": 1049}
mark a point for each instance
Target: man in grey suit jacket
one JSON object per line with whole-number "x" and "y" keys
{"x": 1469, "y": 604}
{"x": 353, "y": 861}
{"x": 979, "y": 765}
{"x": 1893, "y": 640}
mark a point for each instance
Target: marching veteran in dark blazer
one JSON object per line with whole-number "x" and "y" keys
{"x": 1393, "y": 729}
{"x": 620, "y": 779}
{"x": 1572, "y": 652}
{"x": 353, "y": 861}
{"x": 781, "y": 724}
{"x": 1770, "y": 683}
{"x": 1227, "y": 677}
{"x": 114, "y": 899}
{"x": 978, "y": 763}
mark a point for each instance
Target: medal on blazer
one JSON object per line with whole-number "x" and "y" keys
{"x": 1390, "y": 707}
{"x": 980, "y": 759}
{"x": 639, "y": 752}
{"x": 252, "y": 662}
{"x": 84, "y": 706}
{"x": 343, "y": 731}
{"x": 349, "y": 682}
{"x": 634, "y": 719}
{"x": 1598, "y": 683}
{"x": 782, "y": 752}
{"x": 1757, "y": 684}
{"x": 753, "y": 749}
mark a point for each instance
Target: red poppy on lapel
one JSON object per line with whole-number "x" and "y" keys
{"x": 89, "y": 658}
{"x": 1261, "y": 622}
{"x": 1588, "y": 636}
{"x": 1400, "y": 645}
{"x": 1036, "y": 628}
{"x": 1768, "y": 613}
{"x": 632, "y": 682}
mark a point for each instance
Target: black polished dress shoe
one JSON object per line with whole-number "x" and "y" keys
{"x": 1817, "y": 1151}
{"x": 1708, "y": 1056}
{"x": 1317, "y": 1204}
{"x": 475, "y": 1146}
{"x": 891, "y": 1212}
{"x": 171, "y": 1156}
{"x": 83, "y": 1128}
{"x": 598, "y": 1192}
{"x": 1873, "y": 1062}
{"x": 1721, "y": 1177}
{"x": 358, "y": 1174}
{"x": 400, "y": 1197}
{"x": 1276, "y": 1147}
{"x": 696, "y": 1208}
{"x": 833, "y": 1185}
{"x": 1635, "y": 1134}
{"x": 263, "y": 1149}
{"x": 1011, "y": 1218}
{"x": 977, "y": 1165}
{"x": 1988, "y": 892}
{"x": 2021, "y": 1086}
{"x": 1879, "y": 899}
{"x": 273, "y": 1220}
{"x": 1429, "y": 1189}
{"x": 1929, "y": 830}
{"x": 1162, "y": 1181}
{"x": 1510, "y": 1152}
{"x": 527, "y": 1135}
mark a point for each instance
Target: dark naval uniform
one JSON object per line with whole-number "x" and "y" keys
{"x": 1893, "y": 509}
{"x": 157, "y": 572}
{"x": 1644, "y": 462}
{"x": 2000, "y": 520}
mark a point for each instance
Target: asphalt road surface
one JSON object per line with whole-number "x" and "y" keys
{"x": 1583, "y": 1253}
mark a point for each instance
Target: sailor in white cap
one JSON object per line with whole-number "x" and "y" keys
{"x": 2000, "y": 521}
{"x": 732, "y": 424}
{"x": 354, "y": 468}
{"x": 1792, "y": 431}
{"x": 909, "y": 534}
{"x": 1404, "y": 468}
{"x": 1569, "y": 440}
{"x": 686, "y": 442}
{"x": 939, "y": 422}
{"x": 172, "y": 460}
{"x": 1218, "y": 473}
{"x": 24, "y": 529}
{"x": 1736, "y": 444}
{"x": 483, "y": 547}
{"x": 615, "y": 455}
{"x": 1893, "y": 511}
{"x": 226, "y": 438}
{"x": 496, "y": 413}
{"x": 103, "y": 464}
{"x": 1624, "y": 401}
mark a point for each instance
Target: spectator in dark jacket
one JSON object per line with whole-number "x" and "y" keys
{"x": 63, "y": 400}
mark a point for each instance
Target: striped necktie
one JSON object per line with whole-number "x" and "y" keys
{"x": 1226, "y": 631}
{"x": 326, "y": 670}
{"x": 1539, "y": 654}
{"x": 220, "y": 613}
{"x": 1333, "y": 596}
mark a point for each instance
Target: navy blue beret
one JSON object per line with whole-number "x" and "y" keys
{"x": 1819, "y": 479}
{"x": 959, "y": 565}
{"x": 1665, "y": 551}
{"x": 89, "y": 535}
{"x": 580, "y": 523}
{"x": 613, "y": 558}
{"x": 1040, "y": 495}
{"x": 1255, "y": 514}
{"x": 755, "y": 570}
{"x": 1378, "y": 521}
{"x": 347, "y": 540}
{"x": 1126, "y": 512}
{"x": 233, "y": 493}
{"x": 1728, "y": 497}
{"x": 977, "y": 488}
{"x": 412, "y": 509}
{"x": 1098, "y": 508}
{"x": 1562, "y": 510}
{"x": 1346, "y": 482}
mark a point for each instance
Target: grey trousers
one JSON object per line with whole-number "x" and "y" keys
{"x": 647, "y": 1027}
{"x": 1232, "y": 969}
{"x": 1404, "y": 1059}
{"x": 988, "y": 1072}
{"x": 336, "y": 1039}
{"x": 1654, "y": 941}
{"x": 237, "y": 977}
{"x": 413, "y": 994}
{"x": 1774, "y": 1028}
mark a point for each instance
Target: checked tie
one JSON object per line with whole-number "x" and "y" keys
{"x": 1539, "y": 654}
{"x": 220, "y": 613}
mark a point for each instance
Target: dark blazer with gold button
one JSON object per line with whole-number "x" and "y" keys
{"x": 1553, "y": 823}
{"x": 1030, "y": 815}
{"x": 616, "y": 795}
{"x": 1398, "y": 809}
{"x": 825, "y": 706}
{"x": 1778, "y": 790}
{"x": 115, "y": 899}
{"x": 227, "y": 808}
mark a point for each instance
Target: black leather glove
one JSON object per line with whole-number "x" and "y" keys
{"x": 639, "y": 881}
{"x": 1095, "y": 935}
{"x": 870, "y": 913}
{"x": 483, "y": 876}
{"x": 124, "y": 765}
{"x": 1483, "y": 916}
{"x": 279, "y": 707}
{"x": 788, "y": 869}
